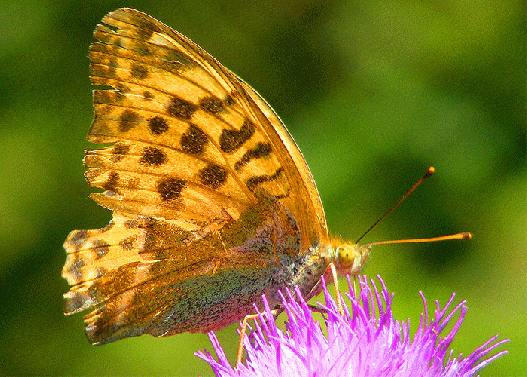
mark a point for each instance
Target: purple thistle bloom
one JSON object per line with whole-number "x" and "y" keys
{"x": 368, "y": 342}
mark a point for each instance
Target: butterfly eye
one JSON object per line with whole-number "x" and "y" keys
{"x": 346, "y": 255}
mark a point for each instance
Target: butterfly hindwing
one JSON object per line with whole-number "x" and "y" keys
{"x": 148, "y": 275}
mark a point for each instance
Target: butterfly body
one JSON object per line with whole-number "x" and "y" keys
{"x": 213, "y": 204}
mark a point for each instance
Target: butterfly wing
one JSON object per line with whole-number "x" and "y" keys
{"x": 197, "y": 152}
{"x": 174, "y": 108}
{"x": 148, "y": 275}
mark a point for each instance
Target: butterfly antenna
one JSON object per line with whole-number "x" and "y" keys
{"x": 428, "y": 174}
{"x": 458, "y": 236}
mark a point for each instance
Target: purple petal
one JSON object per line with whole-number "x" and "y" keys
{"x": 358, "y": 343}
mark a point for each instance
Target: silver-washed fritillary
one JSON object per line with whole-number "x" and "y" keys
{"x": 213, "y": 204}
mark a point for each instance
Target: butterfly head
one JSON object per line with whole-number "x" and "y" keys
{"x": 350, "y": 258}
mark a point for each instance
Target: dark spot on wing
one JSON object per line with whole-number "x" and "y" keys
{"x": 111, "y": 182}
{"x": 211, "y": 105}
{"x": 181, "y": 109}
{"x": 231, "y": 140}
{"x": 261, "y": 150}
{"x": 147, "y": 95}
{"x": 101, "y": 248}
{"x": 78, "y": 239}
{"x": 157, "y": 125}
{"x": 194, "y": 140}
{"x": 119, "y": 151}
{"x": 153, "y": 156}
{"x": 139, "y": 71}
{"x": 170, "y": 188}
{"x": 128, "y": 120}
{"x": 255, "y": 181}
{"x": 213, "y": 176}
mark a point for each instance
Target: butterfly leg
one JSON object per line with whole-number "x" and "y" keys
{"x": 317, "y": 309}
{"x": 243, "y": 331}
{"x": 338, "y": 296}
{"x": 355, "y": 291}
{"x": 316, "y": 289}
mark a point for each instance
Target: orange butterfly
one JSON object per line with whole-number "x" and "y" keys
{"x": 213, "y": 204}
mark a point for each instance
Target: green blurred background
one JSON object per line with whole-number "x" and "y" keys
{"x": 373, "y": 92}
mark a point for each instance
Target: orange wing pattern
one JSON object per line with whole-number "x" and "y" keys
{"x": 174, "y": 109}
{"x": 213, "y": 202}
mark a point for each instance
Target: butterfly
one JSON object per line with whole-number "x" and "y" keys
{"x": 213, "y": 203}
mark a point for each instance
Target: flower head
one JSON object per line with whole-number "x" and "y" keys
{"x": 366, "y": 341}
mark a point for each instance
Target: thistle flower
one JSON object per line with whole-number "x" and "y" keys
{"x": 366, "y": 341}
